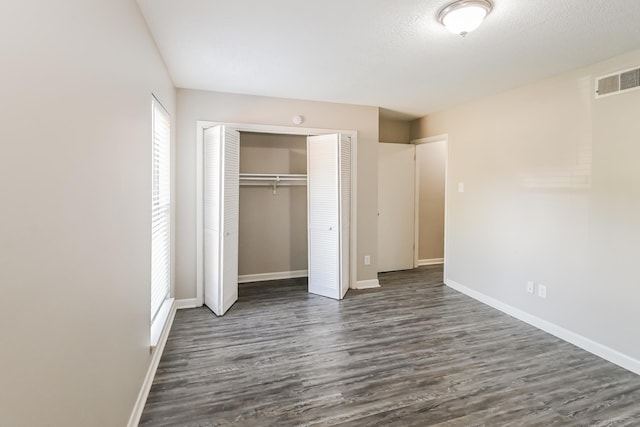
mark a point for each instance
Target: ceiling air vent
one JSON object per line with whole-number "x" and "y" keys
{"x": 619, "y": 82}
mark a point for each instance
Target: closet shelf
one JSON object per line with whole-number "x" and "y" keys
{"x": 273, "y": 180}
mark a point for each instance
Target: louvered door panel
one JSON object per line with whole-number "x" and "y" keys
{"x": 221, "y": 196}
{"x": 212, "y": 216}
{"x": 345, "y": 213}
{"x": 323, "y": 215}
{"x": 231, "y": 197}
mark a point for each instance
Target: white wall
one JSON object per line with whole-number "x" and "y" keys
{"x": 75, "y": 103}
{"x": 551, "y": 195}
{"x": 229, "y": 108}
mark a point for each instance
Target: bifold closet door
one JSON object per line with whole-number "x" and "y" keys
{"x": 329, "y": 192}
{"x": 221, "y": 201}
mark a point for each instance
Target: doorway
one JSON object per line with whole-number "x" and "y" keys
{"x": 430, "y": 200}
{"x": 411, "y": 203}
{"x": 332, "y": 226}
{"x": 272, "y": 235}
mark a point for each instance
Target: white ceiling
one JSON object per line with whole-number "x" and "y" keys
{"x": 387, "y": 53}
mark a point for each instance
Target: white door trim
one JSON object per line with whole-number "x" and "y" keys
{"x": 201, "y": 125}
{"x": 437, "y": 138}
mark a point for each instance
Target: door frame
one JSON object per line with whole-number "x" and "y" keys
{"x": 201, "y": 125}
{"x": 437, "y": 138}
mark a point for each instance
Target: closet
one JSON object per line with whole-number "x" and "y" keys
{"x": 273, "y": 172}
{"x": 273, "y": 207}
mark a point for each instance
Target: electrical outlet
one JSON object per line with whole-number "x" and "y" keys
{"x": 367, "y": 260}
{"x": 542, "y": 291}
{"x": 531, "y": 287}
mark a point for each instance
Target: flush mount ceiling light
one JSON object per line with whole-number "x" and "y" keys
{"x": 464, "y": 16}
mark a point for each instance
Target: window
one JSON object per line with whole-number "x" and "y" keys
{"x": 160, "y": 208}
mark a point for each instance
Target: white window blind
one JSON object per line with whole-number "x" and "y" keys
{"x": 160, "y": 208}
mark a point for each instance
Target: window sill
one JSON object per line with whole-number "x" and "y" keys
{"x": 160, "y": 322}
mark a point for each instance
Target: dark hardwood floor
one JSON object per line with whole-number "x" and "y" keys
{"x": 411, "y": 353}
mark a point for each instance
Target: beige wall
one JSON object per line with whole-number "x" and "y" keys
{"x": 551, "y": 195}
{"x": 396, "y": 131}
{"x": 223, "y": 107}
{"x": 273, "y": 228}
{"x": 75, "y": 227}
{"x": 431, "y": 160}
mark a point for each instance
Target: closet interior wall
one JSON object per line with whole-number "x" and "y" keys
{"x": 272, "y": 227}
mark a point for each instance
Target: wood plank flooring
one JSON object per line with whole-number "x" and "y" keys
{"x": 411, "y": 353}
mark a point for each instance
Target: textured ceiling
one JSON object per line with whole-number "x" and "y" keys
{"x": 391, "y": 54}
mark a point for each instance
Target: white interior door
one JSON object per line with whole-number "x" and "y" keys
{"x": 221, "y": 199}
{"x": 328, "y": 198}
{"x": 396, "y": 206}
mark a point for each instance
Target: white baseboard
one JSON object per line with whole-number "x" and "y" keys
{"x": 366, "y": 284}
{"x": 262, "y": 277}
{"x": 136, "y": 414}
{"x": 433, "y": 261}
{"x": 186, "y": 303}
{"x": 584, "y": 343}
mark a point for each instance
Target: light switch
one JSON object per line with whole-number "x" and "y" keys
{"x": 461, "y": 187}
{"x": 542, "y": 291}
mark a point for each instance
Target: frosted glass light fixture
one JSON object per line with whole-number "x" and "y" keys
{"x": 463, "y": 16}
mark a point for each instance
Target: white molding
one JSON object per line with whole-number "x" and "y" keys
{"x": 416, "y": 207}
{"x": 584, "y": 343}
{"x": 136, "y": 413}
{"x": 277, "y": 129}
{"x": 263, "y": 277}
{"x": 446, "y": 202}
{"x": 435, "y": 138}
{"x": 201, "y": 125}
{"x": 353, "y": 225}
{"x": 416, "y": 242}
{"x": 187, "y": 303}
{"x": 433, "y": 261}
{"x": 366, "y": 284}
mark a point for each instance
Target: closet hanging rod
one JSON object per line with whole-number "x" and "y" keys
{"x": 273, "y": 180}
{"x": 272, "y": 177}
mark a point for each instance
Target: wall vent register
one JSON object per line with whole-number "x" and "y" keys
{"x": 619, "y": 82}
